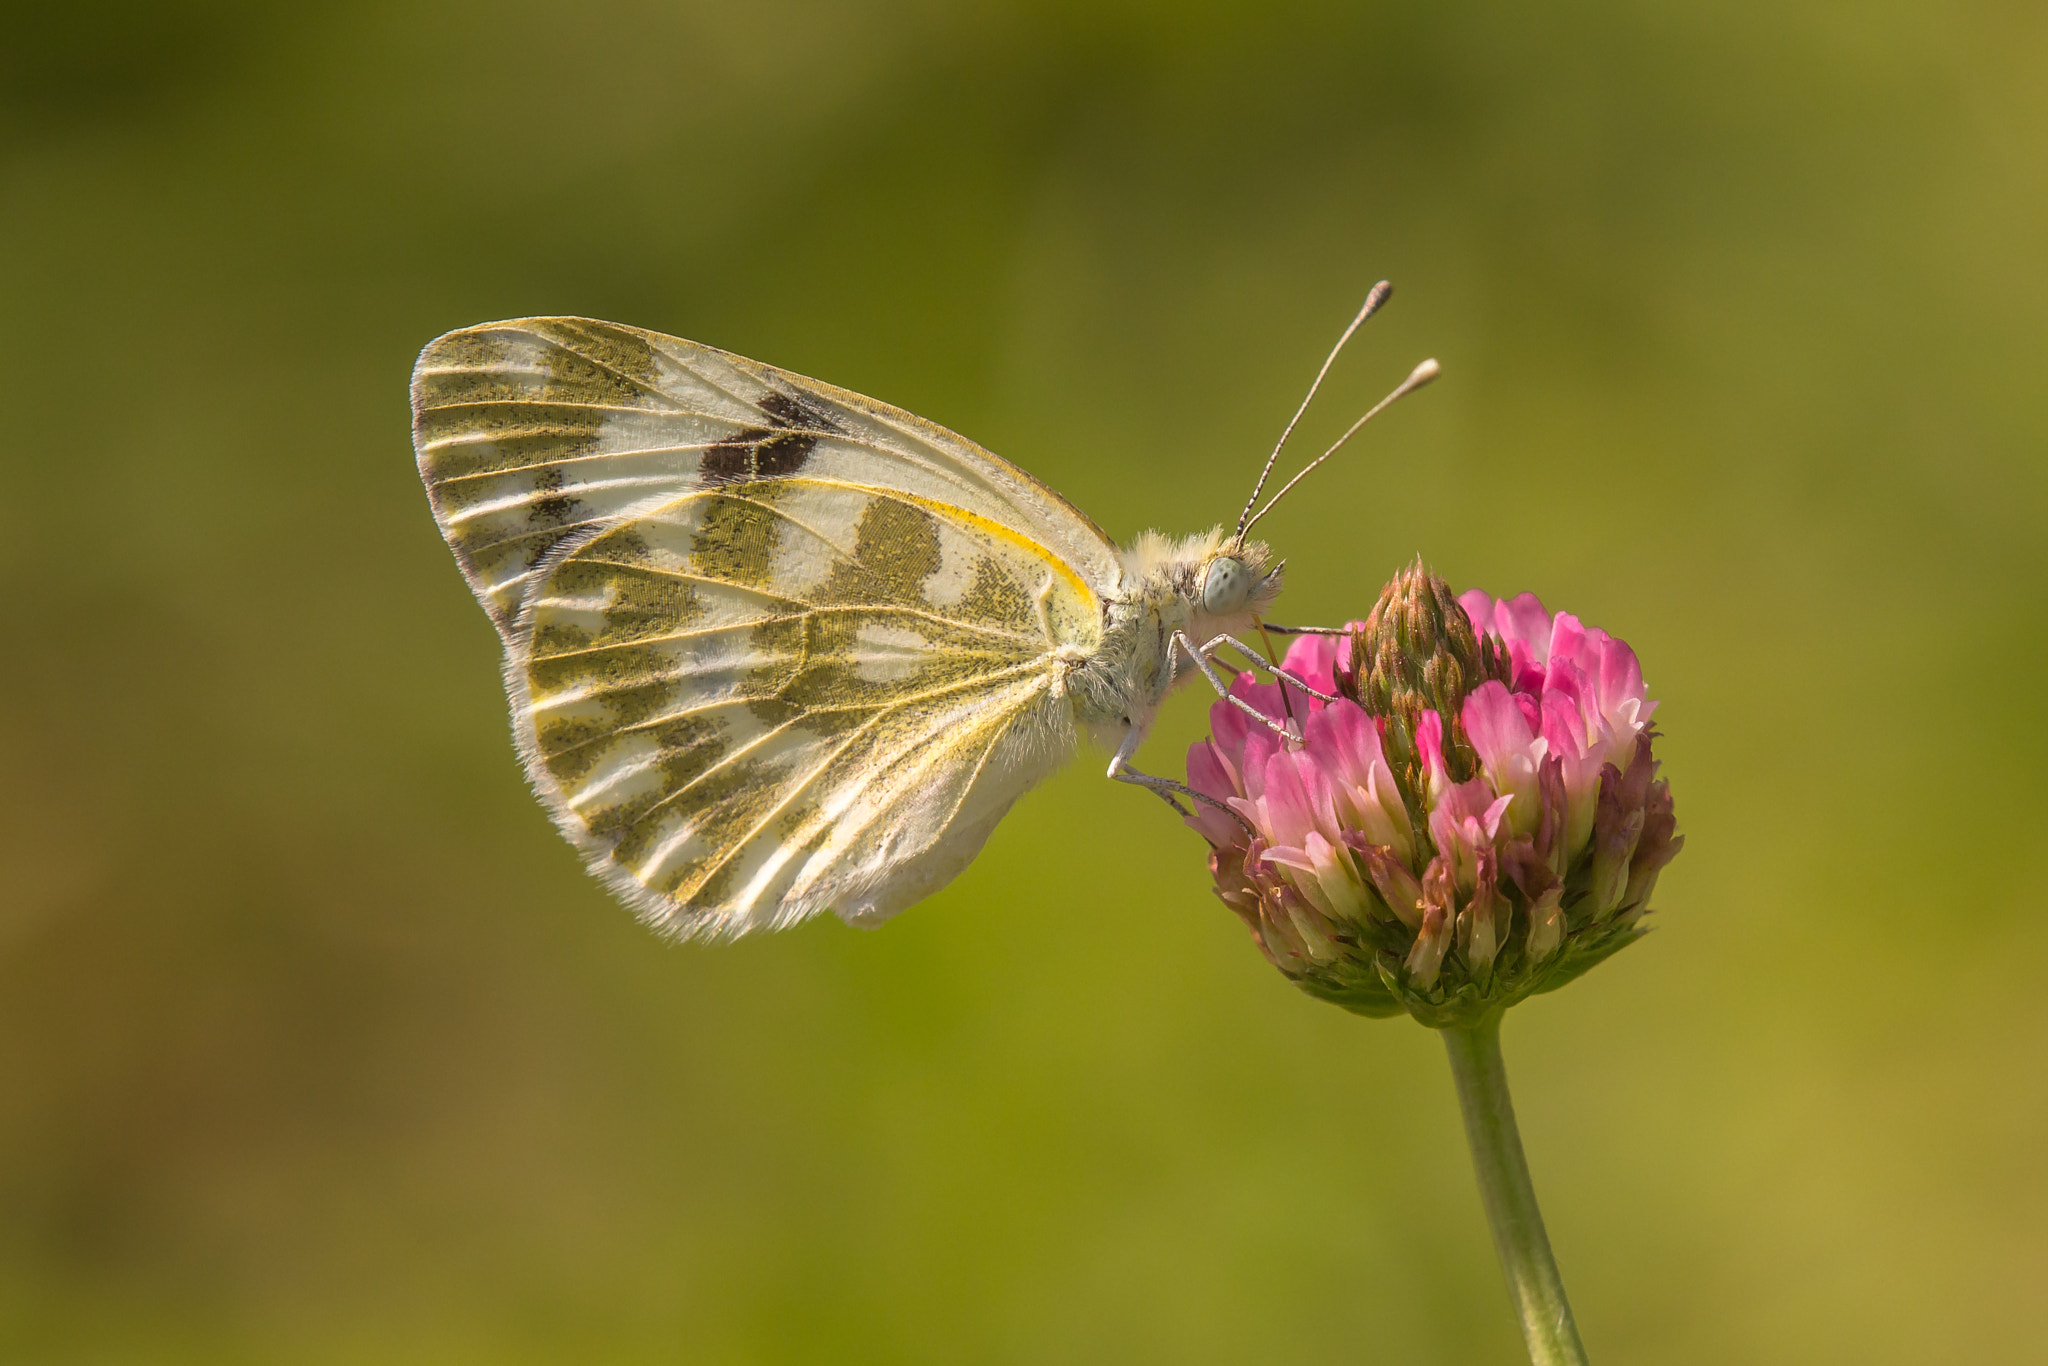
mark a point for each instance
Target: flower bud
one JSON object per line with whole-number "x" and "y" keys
{"x": 1439, "y": 911}
{"x": 1396, "y": 885}
{"x": 1419, "y": 653}
{"x": 1480, "y": 924}
{"x": 1475, "y": 819}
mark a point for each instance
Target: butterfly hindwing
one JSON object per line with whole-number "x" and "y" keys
{"x": 771, "y": 647}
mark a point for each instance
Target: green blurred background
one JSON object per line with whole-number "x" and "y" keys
{"x": 316, "y": 1045}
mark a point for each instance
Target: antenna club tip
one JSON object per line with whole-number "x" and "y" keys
{"x": 1425, "y": 372}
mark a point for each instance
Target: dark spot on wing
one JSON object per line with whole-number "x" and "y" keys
{"x": 782, "y": 455}
{"x": 731, "y": 461}
{"x": 775, "y": 451}
{"x": 790, "y": 410}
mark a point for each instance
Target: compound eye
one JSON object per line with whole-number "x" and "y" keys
{"x": 1226, "y": 587}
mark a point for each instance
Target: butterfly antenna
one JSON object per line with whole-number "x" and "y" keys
{"x": 1374, "y": 297}
{"x": 1419, "y": 376}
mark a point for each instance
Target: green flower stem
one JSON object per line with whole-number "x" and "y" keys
{"x": 1510, "y": 1200}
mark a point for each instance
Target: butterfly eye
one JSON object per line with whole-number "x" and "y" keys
{"x": 1226, "y": 587}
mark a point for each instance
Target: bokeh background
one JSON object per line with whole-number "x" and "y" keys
{"x": 316, "y": 1045}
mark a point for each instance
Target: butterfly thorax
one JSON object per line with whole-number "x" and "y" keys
{"x": 1121, "y": 683}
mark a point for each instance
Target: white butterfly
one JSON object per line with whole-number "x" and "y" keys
{"x": 774, "y": 648}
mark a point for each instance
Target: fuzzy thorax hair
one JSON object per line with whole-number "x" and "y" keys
{"x": 1154, "y": 561}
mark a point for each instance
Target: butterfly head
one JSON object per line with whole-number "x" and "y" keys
{"x": 1221, "y": 583}
{"x": 1236, "y": 580}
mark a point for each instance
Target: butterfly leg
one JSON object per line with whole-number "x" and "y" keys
{"x": 1164, "y": 788}
{"x": 1181, "y": 641}
{"x": 1200, "y": 654}
{"x": 1259, "y": 662}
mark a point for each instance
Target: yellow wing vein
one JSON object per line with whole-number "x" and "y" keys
{"x": 750, "y": 590}
{"x": 526, "y": 497}
{"x": 990, "y": 748}
{"x": 763, "y": 738}
{"x": 804, "y": 784}
{"x": 986, "y": 525}
{"x": 658, "y": 342}
{"x": 558, "y": 531}
{"x": 624, "y": 452}
{"x": 706, "y": 631}
{"x": 845, "y": 554}
{"x": 966, "y": 788}
{"x": 1015, "y": 670}
{"x": 616, "y": 409}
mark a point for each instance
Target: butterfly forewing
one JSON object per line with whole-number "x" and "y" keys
{"x": 531, "y": 431}
{"x": 771, "y": 647}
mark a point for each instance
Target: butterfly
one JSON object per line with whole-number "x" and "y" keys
{"x": 773, "y": 648}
